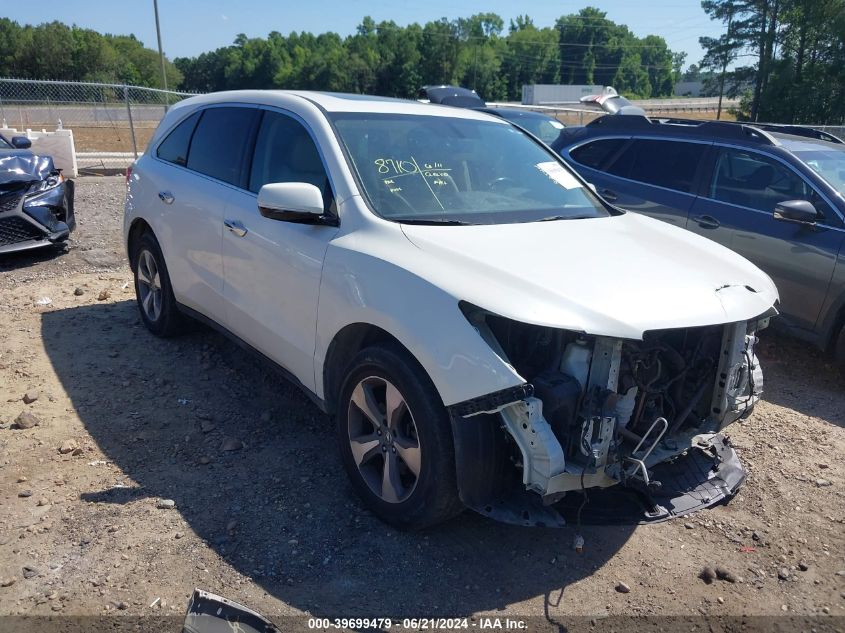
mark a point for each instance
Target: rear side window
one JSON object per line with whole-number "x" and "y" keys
{"x": 598, "y": 153}
{"x": 285, "y": 152}
{"x": 669, "y": 164}
{"x": 220, "y": 142}
{"x": 174, "y": 148}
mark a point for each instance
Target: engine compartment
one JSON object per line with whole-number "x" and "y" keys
{"x": 605, "y": 411}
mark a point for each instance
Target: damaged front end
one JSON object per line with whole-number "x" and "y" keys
{"x": 600, "y": 412}
{"x": 36, "y": 203}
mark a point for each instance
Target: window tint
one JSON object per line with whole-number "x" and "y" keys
{"x": 598, "y": 153}
{"x": 670, "y": 164}
{"x": 751, "y": 180}
{"x": 219, "y": 145}
{"x": 174, "y": 148}
{"x": 285, "y": 152}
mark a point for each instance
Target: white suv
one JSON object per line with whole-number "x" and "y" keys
{"x": 484, "y": 329}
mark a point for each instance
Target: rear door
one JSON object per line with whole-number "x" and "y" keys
{"x": 190, "y": 180}
{"x": 740, "y": 197}
{"x": 186, "y": 225}
{"x": 656, "y": 177}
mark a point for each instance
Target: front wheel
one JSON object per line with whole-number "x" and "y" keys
{"x": 395, "y": 440}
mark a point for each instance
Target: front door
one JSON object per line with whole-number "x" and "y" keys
{"x": 272, "y": 268}
{"x": 744, "y": 188}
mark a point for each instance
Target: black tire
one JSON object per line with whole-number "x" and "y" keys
{"x": 167, "y": 321}
{"x": 434, "y": 495}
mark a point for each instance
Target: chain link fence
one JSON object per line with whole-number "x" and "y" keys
{"x": 111, "y": 123}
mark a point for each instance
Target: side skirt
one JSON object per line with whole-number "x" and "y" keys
{"x": 284, "y": 373}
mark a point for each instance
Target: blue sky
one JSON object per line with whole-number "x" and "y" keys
{"x": 190, "y": 27}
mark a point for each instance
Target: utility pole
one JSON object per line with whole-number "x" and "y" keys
{"x": 724, "y": 66}
{"x": 160, "y": 52}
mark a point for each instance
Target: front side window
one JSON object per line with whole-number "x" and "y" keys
{"x": 668, "y": 164}
{"x": 174, "y": 148}
{"x": 285, "y": 152}
{"x": 755, "y": 181}
{"x": 219, "y": 144}
{"x": 451, "y": 170}
{"x": 829, "y": 164}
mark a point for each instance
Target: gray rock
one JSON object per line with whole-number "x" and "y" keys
{"x": 725, "y": 574}
{"x": 803, "y": 566}
{"x": 622, "y": 587}
{"x": 821, "y": 483}
{"x": 25, "y": 493}
{"x": 166, "y": 504}
{"x": 8, "y": 582}
{"x": 231, "y": 444}
{"x": 783, "y": 573}
{"x": 68, "y": 446}
{"x": 26, "y": 420}
{"x": 30, "y": 572}
{"x": 30, "y": 396}
{"x": 78, "y": 292}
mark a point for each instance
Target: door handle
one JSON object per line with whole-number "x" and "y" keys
{"x": 706, "y": 221}
{"x": 609, "y": 195}
{"x": 166, "y": 197}
{"x": 235, "y": 227}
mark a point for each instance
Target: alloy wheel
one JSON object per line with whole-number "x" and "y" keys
{"x": 384, "y": 440}
{"x": 149, "y": 285}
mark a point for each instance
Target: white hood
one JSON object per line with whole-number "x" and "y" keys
{"x": 618, "y": 276}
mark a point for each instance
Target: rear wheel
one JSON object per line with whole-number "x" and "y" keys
{"x": 153, "y": 290}
{"x": 395, "y": 440}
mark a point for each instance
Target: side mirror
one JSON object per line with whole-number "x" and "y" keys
{"x": 21, "y": 142}
{"x": 298, "y": 202}
{"x": 800, "y": 211}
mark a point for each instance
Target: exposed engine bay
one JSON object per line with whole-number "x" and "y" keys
{"x": 599, "y": 412}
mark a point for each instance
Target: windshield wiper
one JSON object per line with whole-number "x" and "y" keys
{"x": 552, "y": 218}
{"x": 435, "y": 221}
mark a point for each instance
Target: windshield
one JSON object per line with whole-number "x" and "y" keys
{"x": 543, "y": 127}
{"x": 829, "y": 164}
{"x": 459, "y": 171}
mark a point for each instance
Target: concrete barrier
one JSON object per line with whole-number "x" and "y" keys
{"x": 58, "y": 144}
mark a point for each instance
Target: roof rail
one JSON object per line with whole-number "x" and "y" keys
{"x": 800, "y": 130}
{"x": 722, "y": 129}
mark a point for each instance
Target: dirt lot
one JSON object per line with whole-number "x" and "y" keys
{"x": 263, "y": 512}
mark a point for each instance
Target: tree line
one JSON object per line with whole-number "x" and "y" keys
{"x": 478, "y": 52}
{"x": 785, "y": 58}
{"x": 379, "y": 58}
{"x": 57, "y": 51}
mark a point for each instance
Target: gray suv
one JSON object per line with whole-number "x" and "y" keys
{"x": 774, "y": 194}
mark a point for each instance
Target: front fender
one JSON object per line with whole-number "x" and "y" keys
{"x": 359, "y": 287}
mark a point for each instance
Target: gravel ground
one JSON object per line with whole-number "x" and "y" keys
{"x": 262, "y": 512}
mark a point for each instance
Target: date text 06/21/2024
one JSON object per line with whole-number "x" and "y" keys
{"x": 419, "y": 624}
